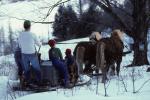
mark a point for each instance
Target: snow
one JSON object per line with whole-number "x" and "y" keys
{"x": 54, "y": 96}
{"x": 115, "y": 86}
{"x": 3, "y": 87}
{"x": 15, "y": 14}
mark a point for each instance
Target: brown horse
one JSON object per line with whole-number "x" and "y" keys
{"x": 85, "y": 53}
{"x": 109, "y": 51}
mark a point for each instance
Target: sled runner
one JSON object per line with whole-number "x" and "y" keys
{"x": 85, "y": 80}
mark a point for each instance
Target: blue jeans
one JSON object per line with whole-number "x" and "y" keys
{"x": 33, "y": 59}
{"x": 62, "y": 68}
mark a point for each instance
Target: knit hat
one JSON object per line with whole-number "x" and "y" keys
{"x": 27, "y": 24}
{"x": 51, "y": 43}
{"x": 68, "y": 51}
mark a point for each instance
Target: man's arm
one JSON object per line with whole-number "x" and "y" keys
{"x": 19, "y": 41}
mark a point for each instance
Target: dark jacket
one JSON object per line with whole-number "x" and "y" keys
{"x": 69, "y": 59}
{"x": 55, "y": 53}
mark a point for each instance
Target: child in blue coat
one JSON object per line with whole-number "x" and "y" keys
{"x": 71, "y": 65}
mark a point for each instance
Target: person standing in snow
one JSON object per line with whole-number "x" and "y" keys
{"x": 27, "y": 41}
{"x": 55, "y": 56}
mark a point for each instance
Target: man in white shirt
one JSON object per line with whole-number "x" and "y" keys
{"x": 27, "y": 41}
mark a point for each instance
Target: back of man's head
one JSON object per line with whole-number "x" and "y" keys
{"x": 27, "y": 24}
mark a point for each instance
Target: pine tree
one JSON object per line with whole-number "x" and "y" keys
{"x": 65, "y": 20}
{"x": 89, "y": 21}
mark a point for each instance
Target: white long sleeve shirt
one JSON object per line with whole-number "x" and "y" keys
{"x": 27, "y": 41}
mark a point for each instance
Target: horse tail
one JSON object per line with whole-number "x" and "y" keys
{"x": 80, "y": 59}
{"x": 100, "y": 55}
{"x": 100, "y": 58}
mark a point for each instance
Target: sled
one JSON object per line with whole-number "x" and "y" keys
{"x": 148, "y": 69}
{"x": 86, "y": 80}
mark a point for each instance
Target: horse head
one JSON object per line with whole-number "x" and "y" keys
{"x": 95, "y": 36}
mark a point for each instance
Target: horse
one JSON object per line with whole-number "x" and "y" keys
{"x": 85, "y": 53}
{"x": 108, "y": 52}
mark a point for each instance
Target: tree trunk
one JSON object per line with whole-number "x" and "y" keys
{"x": 80, "y": 7}
{"x": 140, "y": 30}
{"x": 140, "y": 52}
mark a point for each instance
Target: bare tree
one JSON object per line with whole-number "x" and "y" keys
{"x": 2, "y": 37}
{"x": 135, "y": 23}
{"x": 10, "y": 37}
{"x": 49, "y": 7}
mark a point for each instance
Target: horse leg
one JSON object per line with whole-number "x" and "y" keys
{"x": 80, "y": 66}
{"x": 80, "y": 59}
{"x": 112, "y": 72}
{"x": 100, "y": 60}
{"x": 104, "y": 73}
{"x": 118, "y": 66}
{"x": 87, "y": 68}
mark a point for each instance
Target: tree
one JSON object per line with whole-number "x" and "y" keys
{"x": 2, "y": 37}
{"x": 90, "y": 20}
{"x": 135, "y": 22}
{"x": 64, "y": 25}
{"x": 10, "y": 37}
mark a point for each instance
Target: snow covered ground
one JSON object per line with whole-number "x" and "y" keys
{"x": 117, "y": 88}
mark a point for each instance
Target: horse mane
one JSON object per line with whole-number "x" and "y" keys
{"x": 95, "y": 36}
{"x": 116, "y": 39}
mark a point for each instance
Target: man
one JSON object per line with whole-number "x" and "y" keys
{"x": 27, "y": 41}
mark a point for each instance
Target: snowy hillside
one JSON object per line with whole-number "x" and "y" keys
{"x": 36, "y": 11}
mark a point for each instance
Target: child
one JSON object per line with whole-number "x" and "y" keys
{"x": 72, "y": 68}
{"x": 69, "y": 59}
{"x": 55, "y": 56}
